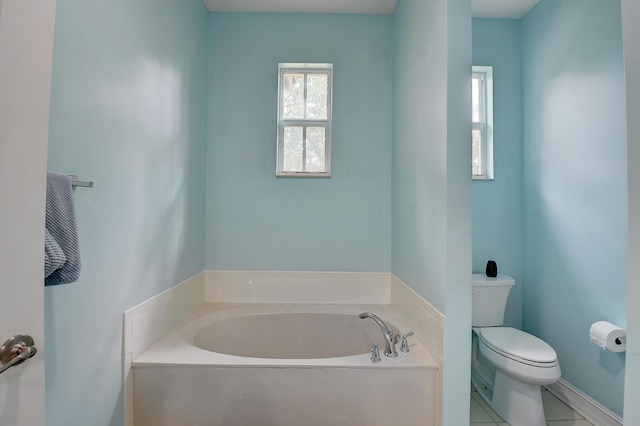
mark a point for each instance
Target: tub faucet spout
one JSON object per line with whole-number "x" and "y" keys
{"x": 389, "y": 341}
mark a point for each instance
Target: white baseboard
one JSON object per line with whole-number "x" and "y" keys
{"x": 584, "y": 405}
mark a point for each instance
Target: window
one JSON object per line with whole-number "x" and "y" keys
{"x": 482, "y": 117}
{"x": 304, "y": 120}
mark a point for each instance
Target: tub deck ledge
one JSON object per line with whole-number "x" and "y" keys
{"x": 177, "y": 347}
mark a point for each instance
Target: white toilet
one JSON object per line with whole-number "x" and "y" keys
{"x": 507, "y": 365}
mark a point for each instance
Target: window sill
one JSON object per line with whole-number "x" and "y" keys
{"x": 303, "y": 175}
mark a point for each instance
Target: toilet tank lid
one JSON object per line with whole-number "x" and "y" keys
{"x": 518, "y": 344}
{"x": 500, "y": 280}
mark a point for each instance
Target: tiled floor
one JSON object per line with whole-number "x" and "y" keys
{"x": 556, "y": 412}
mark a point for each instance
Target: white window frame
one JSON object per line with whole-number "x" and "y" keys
{"x": 485, "y": 76}
{"x": 304, "y": 68}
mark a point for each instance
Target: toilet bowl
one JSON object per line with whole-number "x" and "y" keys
{"x": 508, "y": 365}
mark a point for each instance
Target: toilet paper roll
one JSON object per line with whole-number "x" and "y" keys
{"x": 608, "y": 336}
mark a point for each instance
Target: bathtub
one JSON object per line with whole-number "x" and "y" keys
{"x": 282, "y": 364}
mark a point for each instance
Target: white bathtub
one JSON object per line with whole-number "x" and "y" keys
{"x": 275, "y": 364}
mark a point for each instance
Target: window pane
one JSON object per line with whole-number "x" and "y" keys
{"x": 315, "y": 160}
{"x": 475, "y": 100}
{"x": 317, "y": 96}
{"x": 292, "y": 147}
{"x": 292, "y": 95}
{"x": 482, "y": 117}
{"x": 476, "y": 152}
{"x": 304, "y": 119}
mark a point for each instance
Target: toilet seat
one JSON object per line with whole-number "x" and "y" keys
{"x": 518, "y": 346}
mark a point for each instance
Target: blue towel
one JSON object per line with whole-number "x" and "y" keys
{"x": 61, "y": 226}
{"x": 54, "y": 257}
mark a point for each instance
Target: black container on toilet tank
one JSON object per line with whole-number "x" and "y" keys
{"x": 492, "y": 269}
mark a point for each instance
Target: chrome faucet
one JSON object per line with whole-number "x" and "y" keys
{"x": 389, "y": 340}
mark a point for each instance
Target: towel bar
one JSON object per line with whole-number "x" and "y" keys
{"x": 77, "y": 182}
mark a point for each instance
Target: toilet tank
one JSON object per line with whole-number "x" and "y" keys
{"x": 489, "y": 299}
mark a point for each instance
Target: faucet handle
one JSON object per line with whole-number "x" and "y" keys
{"x": 375, "y": 353}
{"x": 404, "y": 346}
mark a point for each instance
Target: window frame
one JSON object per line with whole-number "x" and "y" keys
{"x": 304, "y": 68}
{"x": 485, "y": 125}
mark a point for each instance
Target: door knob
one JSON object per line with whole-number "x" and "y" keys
{"x": 16, "y": 350}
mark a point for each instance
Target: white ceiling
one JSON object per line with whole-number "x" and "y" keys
{"x": 480, "y": 8}
{"x": 309, "y": 6}
{"x": 502, "y": 8}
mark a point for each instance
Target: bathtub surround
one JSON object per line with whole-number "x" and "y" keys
{"x": 151, "y": 319}
{"x": 154, "y": 317}
{"x": 339, "y": 395}
{"x": 147, "y": 321}
{"x": 296, "y": 287}
{"x": 279, "y": 382}
{"x": 428, "y": 325}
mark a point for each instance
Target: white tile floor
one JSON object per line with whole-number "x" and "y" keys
{"x": 556, "y": 412}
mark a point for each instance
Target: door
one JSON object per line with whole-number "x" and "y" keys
{"x": 631, "y": 42}
{"x": 26, "y": 45}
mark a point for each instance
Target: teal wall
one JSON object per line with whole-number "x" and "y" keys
{"x": 575, "y": 187}
{"x": 257, "y": 221}
{"x": 128, "y": 112}
{"x": 419, "y": 227}
{"x": 431, "y": 183}
{"x": 497, "y": 204}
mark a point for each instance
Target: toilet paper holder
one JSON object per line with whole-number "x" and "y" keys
{"x": 608, "y": 336}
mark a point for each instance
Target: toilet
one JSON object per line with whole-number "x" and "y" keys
{"x": 508, "y": 366}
